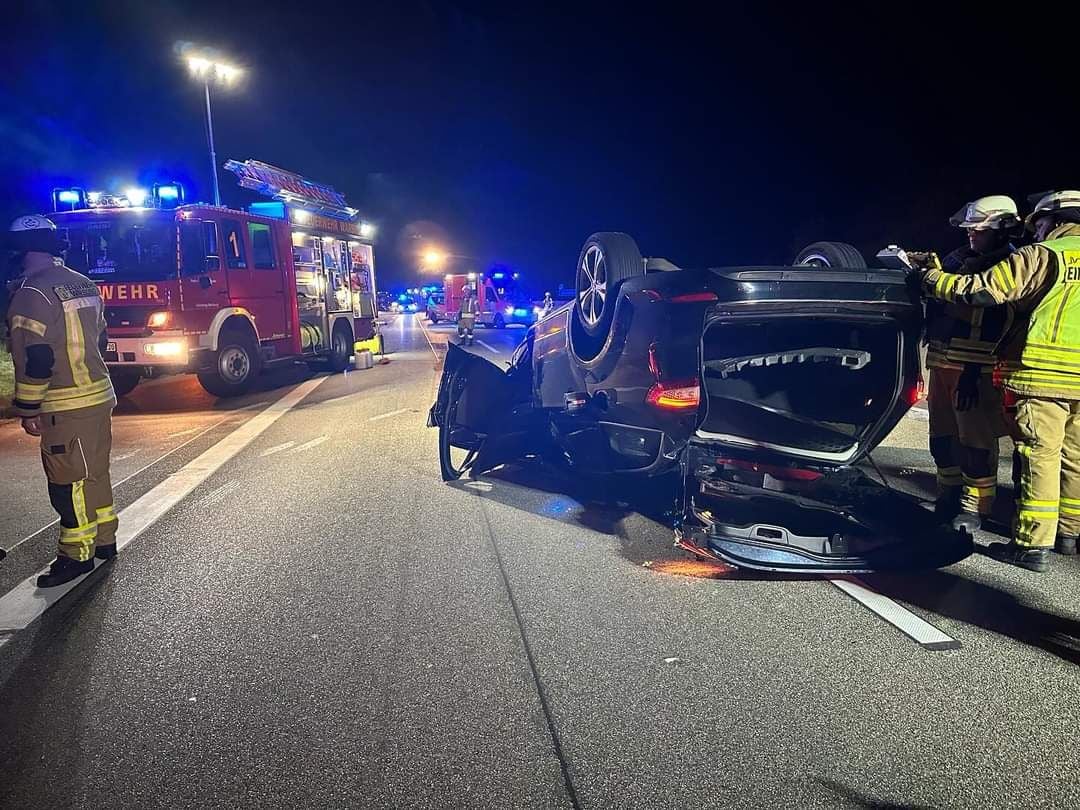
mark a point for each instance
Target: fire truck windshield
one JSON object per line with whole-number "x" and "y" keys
{"x": 122, "y": 249}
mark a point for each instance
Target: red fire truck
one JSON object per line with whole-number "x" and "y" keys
{"x": 490, "y": 302}
{"x": 219, "y": 292}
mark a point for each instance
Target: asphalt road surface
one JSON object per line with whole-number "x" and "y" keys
{"x": 310, "y": 617}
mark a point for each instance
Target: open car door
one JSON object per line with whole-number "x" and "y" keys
{"x": 485, "y": 415}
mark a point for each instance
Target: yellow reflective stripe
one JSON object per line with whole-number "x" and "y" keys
{"x": 106, "y": 514}
{"x": 60, "y": 394}
{"x": 1003, "y": 276}
{"x": 939, "y": 285}
{"x": 30, "y": 392}
{"x": 1051, "y": 346}
{"x": 76, "y": 348}
{"x": 74, "y": 404}
{"x": 950, "y": 286}
{"x": 1034, "y": 502}
{"x": 83, "y": 532}
{"x": 29, "y": 324}
{"x": 78, "y": 500}
{"x": 1070, "y": 510}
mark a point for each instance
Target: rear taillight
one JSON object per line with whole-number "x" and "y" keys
{"x": 675, "y": 395}
{"x": 778, "y": 472}
{"x": 914, "y": 393}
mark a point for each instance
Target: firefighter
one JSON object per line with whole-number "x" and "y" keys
{"x": 548, "y": 305}
{"x": 63, "y": 393}
{"x": 467, "y": 314}
{"x": 966, "y": 418}
{"x": 1041, "y": 280}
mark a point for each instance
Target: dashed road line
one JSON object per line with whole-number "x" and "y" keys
{"x": 25, "y": 603}
{"x": 308, "y": 445}
{"x": 387, "y": 415}
{"x": 918, "y": 630}
{"x": 487, "y": 346}
{"x": 276, "y": 449}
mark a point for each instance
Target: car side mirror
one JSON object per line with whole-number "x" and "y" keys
{"x": 212, "y": 263}
{"x": 205, "y": 282}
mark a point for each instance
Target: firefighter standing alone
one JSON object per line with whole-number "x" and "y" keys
{"x": 966, "y": 418}
{"x": 1043, "y": 281}
{"x": 467, "y": 314}
{"x": 63, "y": 393}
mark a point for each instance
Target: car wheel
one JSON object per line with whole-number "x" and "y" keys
{"x": 605, "y": 262}
{"x": 124, "y": 382}
{"x": 458, "y": 446}
{"x": 340, "y": 348}
{"x": 831, "y": 254}
{"x": 236, "y": 365}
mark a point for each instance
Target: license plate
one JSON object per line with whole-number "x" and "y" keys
{"x": 110, "y": 346}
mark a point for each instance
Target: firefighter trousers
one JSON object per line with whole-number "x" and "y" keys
{"x": 964, "y": 444}
{"x": 75, "y": 448}
{"x": 1049, "y": 447}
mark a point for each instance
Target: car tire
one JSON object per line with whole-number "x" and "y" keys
{"x": 341, "y": 344}
{"x": 124, "y": 382}
{"x": 830, "y": 254}
{"x": 606, "y": 260}
{"x": 236, "y": 365}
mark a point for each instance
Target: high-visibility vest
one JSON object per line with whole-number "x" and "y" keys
{"x": 1051, "y": 354}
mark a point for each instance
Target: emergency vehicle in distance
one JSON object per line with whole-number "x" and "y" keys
{"x": 194, "y": 288}
{"x": 497, "y": 303}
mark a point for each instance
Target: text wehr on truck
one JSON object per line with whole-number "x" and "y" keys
{"x": 220, "y": 292}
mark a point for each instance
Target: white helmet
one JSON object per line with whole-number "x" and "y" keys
{"x": 994, "y": 212}
{"x": 33, "y": 232}
{"x": 1053, "y": 202}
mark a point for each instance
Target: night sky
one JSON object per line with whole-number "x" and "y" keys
{"x": 728, "y": 138}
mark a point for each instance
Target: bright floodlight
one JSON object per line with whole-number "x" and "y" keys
{"x": 434, "y": 258}
{"x": 205, "y": 68}
{"x": 367, "y": 230}
{"x": 199, "y": 66}
{"x": 136, "y": 196}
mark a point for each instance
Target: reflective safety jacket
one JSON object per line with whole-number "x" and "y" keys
{"x": 958, "y": 334}
{"x": 56, "y": 330}
{"x": 1043, "y": 281}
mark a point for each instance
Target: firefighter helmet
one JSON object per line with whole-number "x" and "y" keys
{"x": 1053, "y": 202}
{"x": 34, "y": 233}
{"x": 993, "y": 212}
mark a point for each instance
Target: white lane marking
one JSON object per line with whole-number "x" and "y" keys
{"x": 429, "y": 343}
{"x": 308, "y": 445}
{"x": 276, "y": 449}
{"x": 920, "y": 414}
{"x": 220, "y": 493}
{"x": 182, "y": 433}
{"x": 488, "y": 347}
{"x": 26, "y": 602}
{"x": 141, "y": 470}
{"x": 915, "y": 628}
{"x": 387, "y": 415}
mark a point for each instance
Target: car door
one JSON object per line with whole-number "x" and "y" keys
{"x": 256, "y": 274}
{"x": 205, "y": 285}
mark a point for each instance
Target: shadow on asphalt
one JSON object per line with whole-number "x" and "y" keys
{"x": 594, "y": 504}
{"x": 851, "y": 796}
{"x": 947, "y": 594}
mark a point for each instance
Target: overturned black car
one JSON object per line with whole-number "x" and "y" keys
{"x": 760, "y": 386}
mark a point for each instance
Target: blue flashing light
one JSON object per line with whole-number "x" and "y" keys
{"x": 68, "y": 197}
{"x": 274, "y": 210}
{"x": 403, "y": 297}
{"x": 521, "y": 313}
{"x": 412, "y": 307}
{"x": 168, "y": 192}
{"x": 498, "y": 275}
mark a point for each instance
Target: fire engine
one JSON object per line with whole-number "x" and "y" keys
{"x": 220, "y": 292}
{"x": 494, "y": 293}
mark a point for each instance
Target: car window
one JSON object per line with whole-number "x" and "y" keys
{"x": 262, "y": 246}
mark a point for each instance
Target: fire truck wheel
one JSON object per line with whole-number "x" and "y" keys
{"x": 124, "y": 382}
{"x": 236, "y": 365}
{"x": 341, "y": 347}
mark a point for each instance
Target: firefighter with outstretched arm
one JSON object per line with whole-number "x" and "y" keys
{"x": 966, "y": 414}
{"x": 1042, "y": 280}
{"x": 63, "y": 393}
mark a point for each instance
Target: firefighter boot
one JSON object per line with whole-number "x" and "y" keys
{"x": 64, "y": 569}
{"x": 105, "y": 552}
{"x": 1065, "y": 545}
{"x": 1032, "y": 558}
{"x": 947, "y": 505}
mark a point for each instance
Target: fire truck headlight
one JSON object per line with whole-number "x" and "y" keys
{"x": 158, "y": 320}
{"x": 509, "y": 311}
{"x": 367, "y": 230}
{"x": 171, "y": 349}
{"x": 136, "y": 196}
